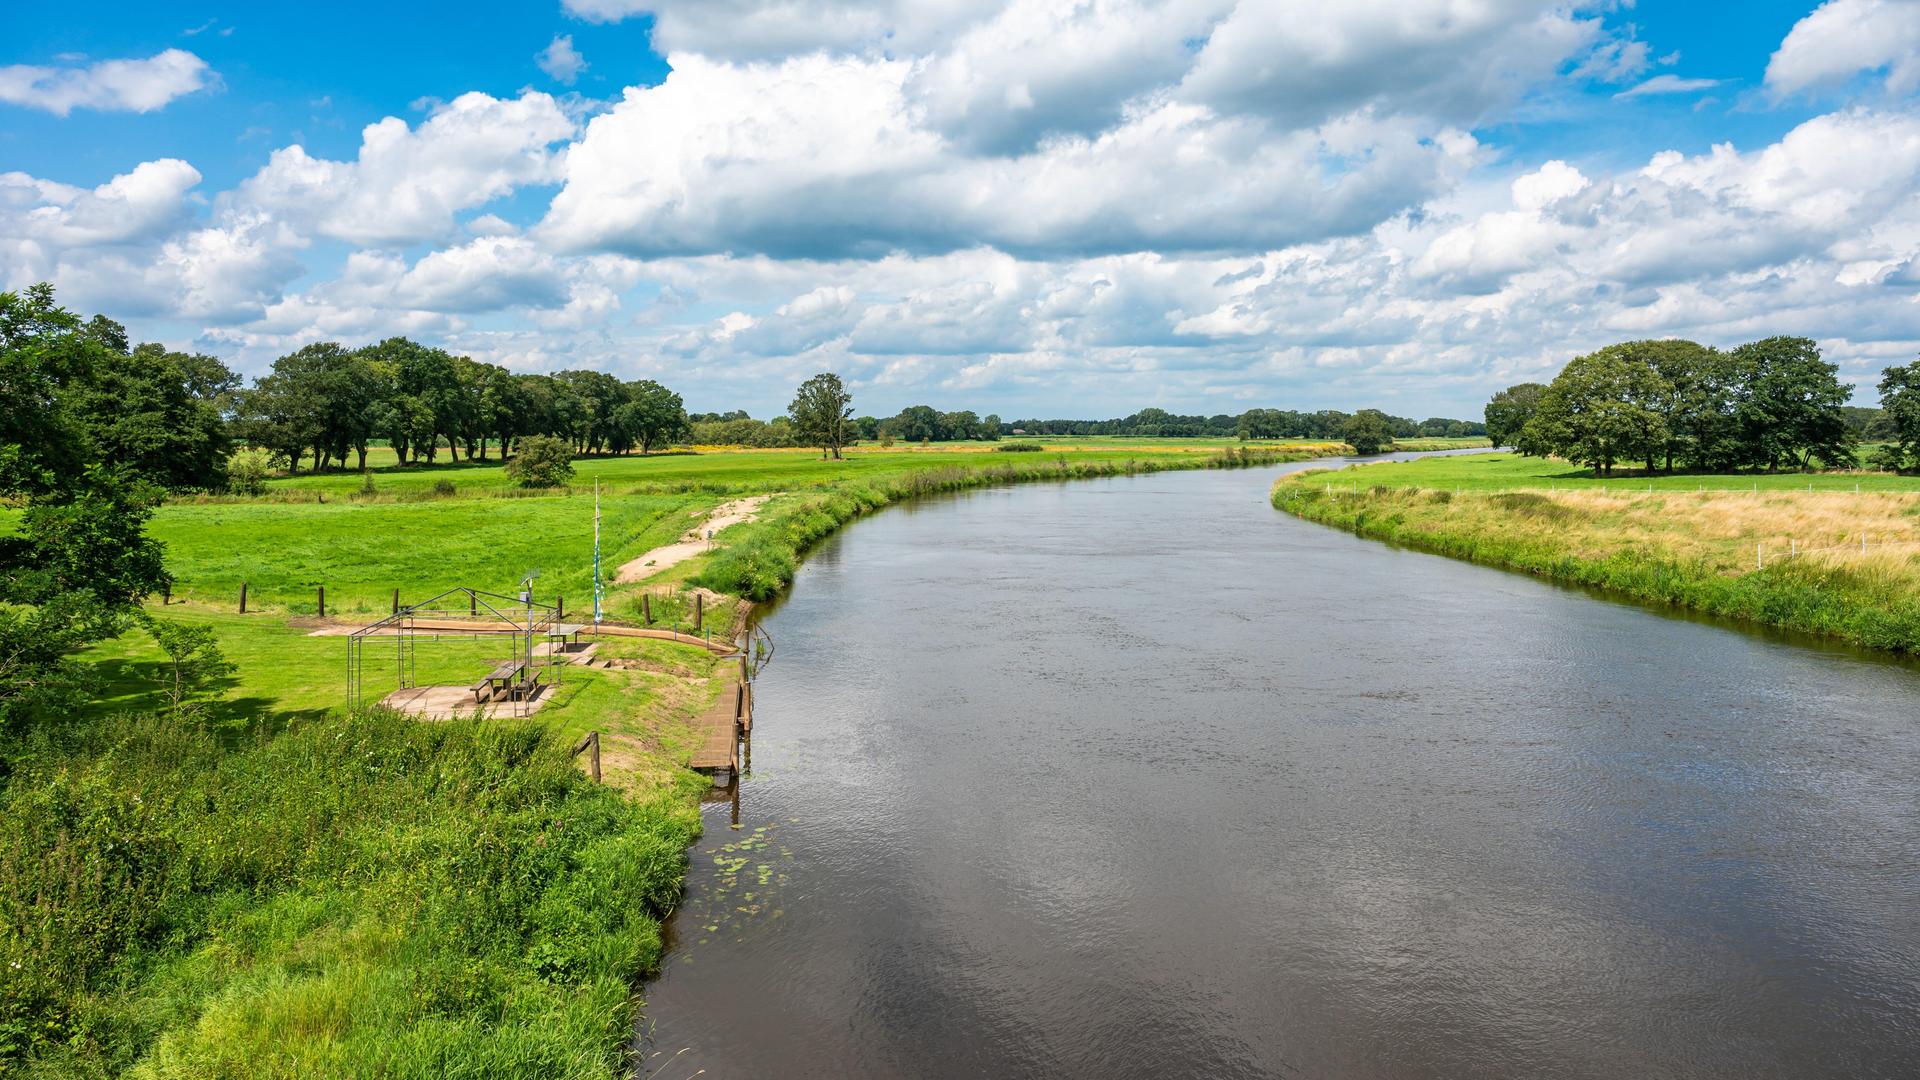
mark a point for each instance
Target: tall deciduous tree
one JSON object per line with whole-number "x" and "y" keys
{"x": 821, "y": 410}
{"x": 1507, "y": 415}
{"x": 653, "y": 415}
{"x": 1595, "y": 412}
{"x": 78, "y": 561}
{"x": 1367, "y": 431}
{"x": 1787, "y": 405}
{"x": 1900, "y": 415}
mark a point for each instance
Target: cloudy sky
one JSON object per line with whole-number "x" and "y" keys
{"x": 1055, "y": 207}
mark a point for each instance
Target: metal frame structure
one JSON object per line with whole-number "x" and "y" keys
{"x": 486, "y": 614}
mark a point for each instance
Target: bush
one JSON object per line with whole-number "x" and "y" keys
{"x": 1018, "y": 448}
{"x": 543, "y": 462}
{"x": 247, "y": 471}
{"x": 367, "y": 896}
{"x": 445, "y": 487}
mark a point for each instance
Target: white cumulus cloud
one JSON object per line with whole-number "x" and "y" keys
{"x": 115, "y": 85}
{"x": 1843, "y": 38}
{"x": 408, "y": 183}
{"x": 561, "y": 60}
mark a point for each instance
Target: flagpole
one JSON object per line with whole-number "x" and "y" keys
{"x": 596, "y": 553}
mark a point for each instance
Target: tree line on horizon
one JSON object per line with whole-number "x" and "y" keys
{"x": 1673, "y": 404}
{"x": 176, "y": 418}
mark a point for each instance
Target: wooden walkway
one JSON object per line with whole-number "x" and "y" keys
{"x": 723, "y": 725}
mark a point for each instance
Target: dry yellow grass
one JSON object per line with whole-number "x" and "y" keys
{"x": 1787, "y": 558}
{"x": 1734, "y": 531}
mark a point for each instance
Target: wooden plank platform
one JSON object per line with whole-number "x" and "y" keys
{"x": 721, "y": 726}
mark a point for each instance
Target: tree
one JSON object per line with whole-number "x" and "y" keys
{"x": 77, "y": 561}
{"x": 1367, "y": 431}
{"x": 1900, "y": 413}
{"x": 1685, "y": 395}
{"x": 140, "y": 409}
{"x": 1594, "y": 413}
{"x": 1508, "y": 413}
{"x": 193, "y": 656}
{"x": 1787, "y": 405}
{"x": 653, "y": 415}
{"x": 820, "y": 411}
{"x": 916, "y": 423}
{"x": 543, "y": 462}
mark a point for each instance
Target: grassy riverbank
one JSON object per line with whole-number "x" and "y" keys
{"x": 1781, "y": 556}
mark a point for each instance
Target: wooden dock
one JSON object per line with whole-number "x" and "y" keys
{"x": 728, "y": 720}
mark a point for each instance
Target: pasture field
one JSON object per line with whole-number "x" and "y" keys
{"x": 1832, "y": 561}
{"x": 1512, "y": 472}
{"x": 312, "y": 531}
{"x": 726, "y": 470}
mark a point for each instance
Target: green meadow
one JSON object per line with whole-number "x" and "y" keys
{"x": 1832, "y": 554}
{"x": 1513, "y": 472}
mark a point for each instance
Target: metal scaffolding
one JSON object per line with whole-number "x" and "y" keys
{"x": 525, "y": 623}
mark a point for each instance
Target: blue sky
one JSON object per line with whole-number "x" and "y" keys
{"x": 1019, "y": 207}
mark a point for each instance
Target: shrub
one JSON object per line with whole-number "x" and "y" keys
{"x": 178, "y": 907}
{"x": 1018, "y": 448}
{"x": 543, "y": 462}
{"x": 248, "y": 469}
{"x": 445, "y": 487}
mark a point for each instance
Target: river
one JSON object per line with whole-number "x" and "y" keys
{"x": 1140, "y": 777}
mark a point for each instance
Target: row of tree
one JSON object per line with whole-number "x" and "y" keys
{"x": 1334, "y": 424}
{"x": 175, "y": 418}
{"x": 326, "y": 400}
{"x": 916, "y": 423}
{"x": 1673, "y": 404}
{"x": 924, "y": 423}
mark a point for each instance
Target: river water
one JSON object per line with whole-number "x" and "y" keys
{"x": 1141, "y": 778}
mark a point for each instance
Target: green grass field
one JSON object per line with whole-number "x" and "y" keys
{"x": 1512, "y": 472}
{"x": 311, "y": 531}
{"x": 721, "y": 471}
{"x": 362, "y": 552}
{"x": 1841, "y": 560}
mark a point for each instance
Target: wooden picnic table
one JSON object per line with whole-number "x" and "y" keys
{"x": 500, "y": 678}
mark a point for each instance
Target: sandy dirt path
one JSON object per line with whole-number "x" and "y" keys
{"x": 694, "y": 542}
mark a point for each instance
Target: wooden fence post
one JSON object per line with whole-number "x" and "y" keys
{"x": 243, "y": 598}
{"x": 166, "y": 593}
{"x": 559, "y": 607}
{"x": 396, "y": 601}
{"x": 646, "y": 607}
{"x": 322, "y": 600}
{"x": 473, "y": 605}
{"x": 699, "y": 609}
{"x": 739, "y": 701}
{"x": 590, "y": 741}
